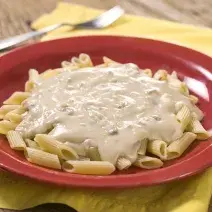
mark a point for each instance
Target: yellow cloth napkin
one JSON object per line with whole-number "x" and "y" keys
{"x": 189, "y": 195}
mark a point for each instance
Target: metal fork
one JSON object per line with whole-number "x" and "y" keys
{"x": 104, "y": 20}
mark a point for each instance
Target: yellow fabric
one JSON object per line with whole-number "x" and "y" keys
{"x": 189, "y": 195}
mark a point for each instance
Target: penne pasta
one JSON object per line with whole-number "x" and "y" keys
{"x": 196, "y": 127}
{"x": 176, "y": 148}
{"x": 68, "y": 66}
{"x": 15, "y": 140}
{"x": 6, "y": 126}
{"x": 33, "y": 78}
{"x": 85, "y": 60}
{"x": 143, "y": 147}
{"x": 16, "y": 98}
{"x": 49, "y": 144}
{"x": 123, "y": 163}
{"x": 148, "y": 72}
{"x": 161, "y": 75}
{"x": 147, "y": 162}
{"x": 19, "y": 110}
{"x": 42, "y": 158}
{"x": 32, "y": 144}
{"x": 29, "y": 85}
{"x": 13, "y": 117}
{"x": 65, "y": 64}
{"x": 89, "y": 167}
{"x": 82, "y": 62}
{"x": 184, "y": 116}
{"x": 6, "y": 109}
{"x": 116, "y": 116}
{"x": 33, "y": 75}
{"x": 158, "y": 148}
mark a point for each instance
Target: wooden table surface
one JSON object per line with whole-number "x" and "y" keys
{"x": 15, "y": 16}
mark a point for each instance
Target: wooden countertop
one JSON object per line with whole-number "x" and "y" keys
{"x": 15, "y": 16}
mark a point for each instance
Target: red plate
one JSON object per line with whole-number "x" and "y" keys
{"x": 195, "y": 66}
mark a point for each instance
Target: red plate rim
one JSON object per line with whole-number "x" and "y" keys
{"x": 188, "y": 167}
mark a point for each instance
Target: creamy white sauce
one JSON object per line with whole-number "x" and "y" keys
{"x": 112, "y": 108}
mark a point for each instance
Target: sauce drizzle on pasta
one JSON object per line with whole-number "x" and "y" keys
{"x": 111, "y": 108}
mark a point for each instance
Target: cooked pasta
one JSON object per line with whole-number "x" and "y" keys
{"x": 29, "y": 85}
{"x": 184, "y": 116}
{"x": 148, "y": 72}
{"x": 15, "y": 140}
{"x": 33, "y": 75}
{"x": 176, "y": 148}
{"x": 89, "y": 167}
{"x": 85, "y": 60}
{"x": 143, "y": 147}
{"x": 95, "y": 119}
{"x": 158, "y": 148}
{"x": 123, "y": 163}
{"x": 196, "y": 127}
{"x": 32, "y": 144}
{"x": 147, "y": 162}
{"x": 6, "y": 126}
{"x": 16, "y": 98}
{"x": 42, "y": 158}
{"x": 161, "y": 74}
{"x": 48, "y": 144}
{"x": 13, "y": 117}
{"x": 6, "y": 109}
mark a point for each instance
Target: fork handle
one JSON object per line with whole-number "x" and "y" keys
{"x": 9, "y": 42}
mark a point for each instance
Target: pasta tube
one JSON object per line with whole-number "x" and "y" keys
{"x": 176, "y": 148}
{"x": 148, "y": 72}
{"x": 147, "y": 162}
{"x": 31, "y": 143}
{"x": 123, "y": 163}
{"x": 143, "y": 147}
{"x": 85, "y": 60}
{"x": 6, "y": 126}
{"x": 16, "y": 98}
{"x": 6, "y": 109}
{"x": 196, "y": 127}
{"x": 42, "y": 158}
{"x": 51, "y": 145}
{"x": 89, "y": 167}
{"x": 184, "y": 116}
{"x": 15, "y": 140}
{"x": 158, "y": 148}
{"x": 161, "y": 75}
